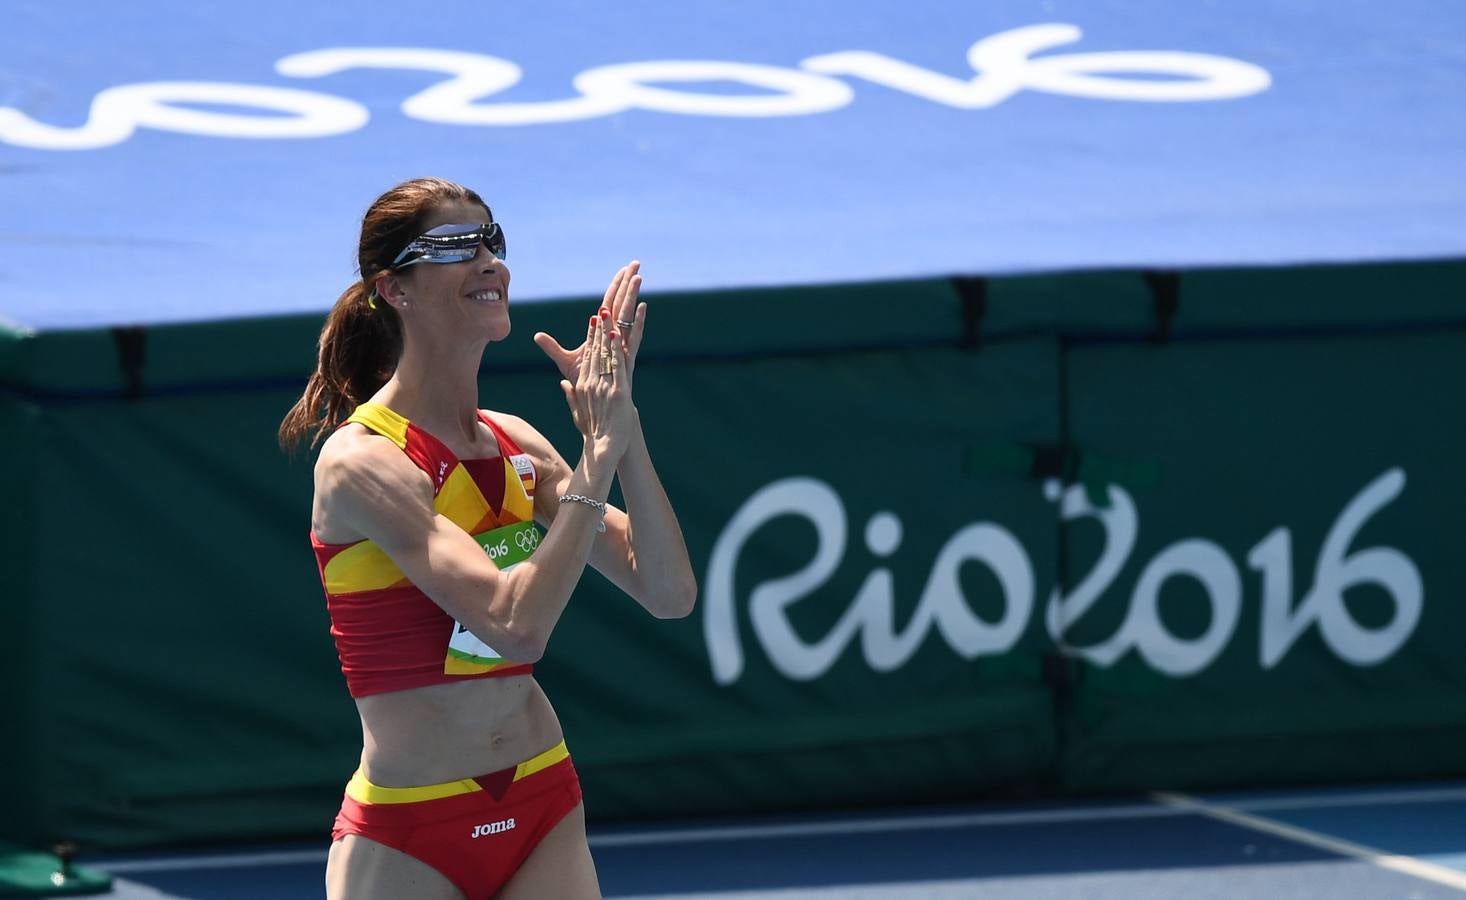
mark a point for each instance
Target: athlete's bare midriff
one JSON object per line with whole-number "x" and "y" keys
{"x": 450, "y": 731}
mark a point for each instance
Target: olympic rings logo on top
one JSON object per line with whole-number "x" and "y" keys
{"x": 527, "y": 539}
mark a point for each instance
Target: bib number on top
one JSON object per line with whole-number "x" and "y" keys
{"x": 507, "y": 546}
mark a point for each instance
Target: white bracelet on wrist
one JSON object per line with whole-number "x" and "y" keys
{"x": 592, "y": 503}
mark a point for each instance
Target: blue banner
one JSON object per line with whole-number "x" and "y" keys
{"x": 176, "y": 163}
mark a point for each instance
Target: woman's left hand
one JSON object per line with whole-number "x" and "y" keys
{"x": 628, "y": 318}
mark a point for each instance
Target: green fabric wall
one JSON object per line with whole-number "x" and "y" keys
{"x": 164, "y": 642}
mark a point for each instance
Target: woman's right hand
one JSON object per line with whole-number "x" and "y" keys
{"x": 600, "y": 397}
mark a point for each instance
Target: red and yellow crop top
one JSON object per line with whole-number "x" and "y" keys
{"x": 389, "y": 634}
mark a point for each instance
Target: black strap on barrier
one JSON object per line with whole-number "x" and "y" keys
{"x": 1053, "y": 461}
{"x": 1165, "y": 291}
{"x": 131, "y": 343}
{"x": 973, "y": 292}
{"x": 1061, "y": 671}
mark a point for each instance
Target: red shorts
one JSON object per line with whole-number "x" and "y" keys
{"x": 477, "y": 831}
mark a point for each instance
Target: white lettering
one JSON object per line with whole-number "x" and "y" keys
{"x": 1208, "y": 564}
{"x": 871, "y": 614}
{"x": 489, "y": 828}
{"x": 451, "y": 102}
{"x": 968, "y": 635}
{"x": 796, "y": 93}
{"x": 1143, "y": 629}
{"x": 117, "y": 112}
{"x": 1120, "y": 523}
{"x": 806, "y": 497}
{"x": 1004, "y": 65}
{"x": 1333, "y": 574}
{"x": 942, "y": 605}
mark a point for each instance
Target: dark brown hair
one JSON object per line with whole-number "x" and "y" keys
{"x": 362, "y": 339}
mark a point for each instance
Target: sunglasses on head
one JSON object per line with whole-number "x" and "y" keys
{"x": 452, "y": 244}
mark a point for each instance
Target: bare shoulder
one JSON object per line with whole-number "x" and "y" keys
{"x": 363, "y": 480}
{"x": 527, "y": 437}
{"x": 353, "y": 453}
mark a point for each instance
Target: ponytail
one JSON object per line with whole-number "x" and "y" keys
{"x": 362, "y": 340}
{"x": 359, "y": 348}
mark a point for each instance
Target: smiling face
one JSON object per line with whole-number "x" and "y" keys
{"x": 453, "y": 300}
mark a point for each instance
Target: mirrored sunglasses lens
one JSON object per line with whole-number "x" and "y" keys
{"x": 494, "y": 238}
{"x": 453, "y": 254}
{"x": 459, "y": 243}
{"x": 454, "y": 230}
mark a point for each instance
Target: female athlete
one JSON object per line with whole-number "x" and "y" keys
{"x": 442, "y": 591}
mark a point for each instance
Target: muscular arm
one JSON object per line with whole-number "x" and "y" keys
{"x": 642, "y": 551}
{"x": 367, "y": 486}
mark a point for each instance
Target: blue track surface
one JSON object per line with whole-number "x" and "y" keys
{"x": 1407, "y": 842}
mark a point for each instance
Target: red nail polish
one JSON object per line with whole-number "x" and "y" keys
{"x": 613, "y": 335}
{"x": 605, "y": 314}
